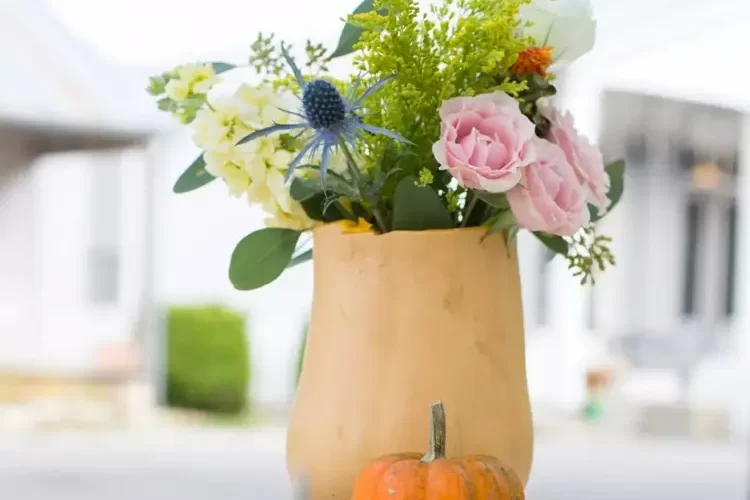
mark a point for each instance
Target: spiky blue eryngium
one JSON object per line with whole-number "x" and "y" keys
{"x": 332, "y": 118}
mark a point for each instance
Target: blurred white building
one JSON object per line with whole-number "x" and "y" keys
{"x": 95, "y": 244}
{"x": 71, "y": 253}
{"x": 676, "y": 306}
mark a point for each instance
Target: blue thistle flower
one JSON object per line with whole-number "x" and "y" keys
{"x": 332, "y": 118}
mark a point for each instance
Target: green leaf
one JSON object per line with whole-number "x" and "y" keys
{"x": 557, "y": 244}
{"x": 165, "y": 104}
{"x": 222, "y": 67}
{"x": 302, "y": 189}
{"x": 300, "y": 259}
{"x": 194, "y": 177}
{"x": 500, "y": 222}
{"x": 549, "y": 256}
{"x": 512, "y": 234}
{"x": 418, "y": 208}
{"x": 616, "y": 171}
{"x": 261, "y": 257}
{"x": 351, "y": 34}
{"x": 497, "y": 200}
{"x": 318, "y": 208}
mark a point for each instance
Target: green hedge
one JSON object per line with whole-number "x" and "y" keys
{"x": 207, "y": 359}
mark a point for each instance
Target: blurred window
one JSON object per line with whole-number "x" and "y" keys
{"x": 104, "y": 255}
{"x": 731, "y": 259}
{"x": 693, "y": 226}
{"x": 543, "y": 288}
{"x": 636, "y": 148}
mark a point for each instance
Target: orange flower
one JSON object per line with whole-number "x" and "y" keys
{"x": 533, "y": 60}
{"x": 351, "y": 227}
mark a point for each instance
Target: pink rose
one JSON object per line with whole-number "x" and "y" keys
{"x": 549, "y": 197}
{"x": 484, "y": 141}
{"x": 585, "y": 158}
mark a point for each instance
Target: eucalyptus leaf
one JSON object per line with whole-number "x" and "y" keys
{"x": 300, "y": 259}
{"x": 351, "y": 34}
{"x": 616, "y": 171}
{"x": 303, "y": 189}
{"x": 418, "y": 208}
{"x": 222, "y": 67}
{"x": 497, "y": 200}
{"x": 320, "y": 208}
{"x": 556, "y": 244}
{"x": 261, "y": 257}
{"x": 194, "y": 177}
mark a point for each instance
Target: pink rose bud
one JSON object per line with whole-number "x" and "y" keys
{"x": 549, "y": 197}
{"x": 485, "y": 141}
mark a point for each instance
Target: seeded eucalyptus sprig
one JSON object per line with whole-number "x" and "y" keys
{"x": 267, "y": 58}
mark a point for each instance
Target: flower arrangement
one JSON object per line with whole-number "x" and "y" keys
{"x": 447, "y": 123}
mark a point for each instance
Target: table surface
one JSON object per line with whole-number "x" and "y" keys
{"x": 241, "y": 464}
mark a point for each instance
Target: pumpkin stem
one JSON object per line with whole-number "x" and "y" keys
{"x": 437, "y": 433}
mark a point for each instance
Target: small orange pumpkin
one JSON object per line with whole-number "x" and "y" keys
{"x": 412, "y": 476}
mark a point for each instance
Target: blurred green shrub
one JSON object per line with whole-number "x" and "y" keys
{"x": 207, "y": 360}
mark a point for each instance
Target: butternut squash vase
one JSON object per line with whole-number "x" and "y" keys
{"x": 399, "y": 321}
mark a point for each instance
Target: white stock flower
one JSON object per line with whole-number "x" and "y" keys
{"x": 219, "y": 127}
{"x": 287, "y": 213}
{"x": 267, "y": 183}
{"x": 262, "y": 106}
{"x": 568, "y": 26}
{"x": 190, "y": 80}
{"x": 200, "y": 77}
{"x": 227, "y": 167}
{"x": 177, "y": 89}
{"x": 257, "y": 168}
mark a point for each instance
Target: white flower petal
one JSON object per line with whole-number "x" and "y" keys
{"x": 565, "y": 25}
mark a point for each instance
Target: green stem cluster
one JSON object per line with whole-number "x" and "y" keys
{"x": 357, "y": 178}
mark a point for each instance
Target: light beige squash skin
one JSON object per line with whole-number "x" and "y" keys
{"x": 400, "y": 321}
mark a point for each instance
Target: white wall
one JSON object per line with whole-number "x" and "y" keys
{"x": 17, "y": 313}
{"x": 72, "y": 328}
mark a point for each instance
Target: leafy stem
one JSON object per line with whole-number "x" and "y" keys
{"x": 471, "y": 204}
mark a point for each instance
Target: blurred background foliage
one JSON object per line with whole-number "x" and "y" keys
{"x": 208, "y": 365}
